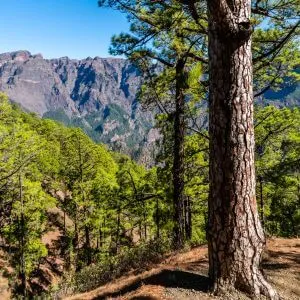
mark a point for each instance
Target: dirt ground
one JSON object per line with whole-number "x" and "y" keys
{"x": 184, "y": 276}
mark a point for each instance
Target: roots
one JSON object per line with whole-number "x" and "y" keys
{"x": 266, "y": 289}
{"x": 254, "y": 288}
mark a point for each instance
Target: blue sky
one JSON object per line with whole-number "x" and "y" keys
{"x": 56, "y": 28}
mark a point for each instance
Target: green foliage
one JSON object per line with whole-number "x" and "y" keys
{"x": 106, "y": 203}
{"x": 23, "y": 201}
{"x": 197, "y": 184}
{"x": 277, "y": 164}
{"x": 113, "y": 214}
{"x": 119, "y": 214}
{"x": 164, "y": 34}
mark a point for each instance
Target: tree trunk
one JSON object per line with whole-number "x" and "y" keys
{"x": 235, "y": 235}
{"x": 178, "y": 163}
{"x": 75, "y": 240}
{"x": 157, "y": 219}
{"x": 100, "y": 238}
{"x": 118, "y": 231}
{"x": 87, "y": 245}
{"x": 145, "y": 222}
{"x": 22, "y": 272}
{"x": 64, "y": 223}
{"x": 188, "y": 218}
{"x": 262, "y": 205}
{"x": 75, "y": 243}
{"x": 140, "y": 230}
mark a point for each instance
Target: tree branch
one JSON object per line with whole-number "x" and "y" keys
{"x": 197, "y": 58}
{"x": 278, "y": 46}
{"x": 198, "y": 132}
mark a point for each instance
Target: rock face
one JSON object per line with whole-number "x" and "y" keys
{"x": 96, "y": 94}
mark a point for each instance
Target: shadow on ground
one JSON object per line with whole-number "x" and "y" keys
{"x": 143, "y": 298}
{"x": 168, "y": 279}
{"x": 278, "y": 260}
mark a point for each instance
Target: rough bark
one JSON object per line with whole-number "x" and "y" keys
{"x": 235, "y": 235}
{"x": 178, "y": 162}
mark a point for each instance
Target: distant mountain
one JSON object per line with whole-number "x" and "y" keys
{"x": 287, "y": 95}
{"x": 96, "y": 94}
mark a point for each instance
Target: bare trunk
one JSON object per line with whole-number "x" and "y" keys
{"x": 118, "y": 231}
{"x": 235, "y": 235}
{"x": 103, "y": 232}
{"x": 140, "y": 230}
{"x": 262, "y": 205}
{"x": 100, "y": 238}
{"x": 87, "y": 245}
{"x": 75, "y": 240}
{"x": 145, "y": 222}
{"x": 64, "y": 223}
{"x": 188, "y": 218}
{"x": 22, "y": 243}
{"x": 178, "y": 163}
{"x": 75, "y": 243}
{"x": 157, "y": 219}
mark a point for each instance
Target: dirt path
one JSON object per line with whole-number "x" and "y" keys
{"x": 184, "y": 276}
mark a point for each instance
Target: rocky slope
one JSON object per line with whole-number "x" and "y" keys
{"x": 96, "y": 94}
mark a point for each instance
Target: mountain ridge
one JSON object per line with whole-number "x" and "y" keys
{"x": 96, "y": 94}
{"x": 67, "y": 72}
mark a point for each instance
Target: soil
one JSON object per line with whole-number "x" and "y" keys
{"x": 184, "y": 276}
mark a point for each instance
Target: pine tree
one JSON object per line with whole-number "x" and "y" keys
{"x": 277, "y": 166}
{"x": 173, "y": 46}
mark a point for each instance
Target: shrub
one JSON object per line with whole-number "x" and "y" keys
{"x": 112, "y": 267}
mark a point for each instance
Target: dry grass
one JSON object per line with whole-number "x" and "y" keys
{"x": 126, "y": 282}
{"x": 149, "y": 292}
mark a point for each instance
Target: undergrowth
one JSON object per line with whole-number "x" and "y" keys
{"x": 111, "y": 267}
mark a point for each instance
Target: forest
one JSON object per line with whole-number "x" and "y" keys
{"x": 106, "y": 207}
{"x": 226, "y": 171}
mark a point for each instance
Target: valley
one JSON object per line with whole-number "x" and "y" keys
{"x": 95, "y": 94}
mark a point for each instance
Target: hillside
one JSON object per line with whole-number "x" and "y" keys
{"x": 96, "y": 94}
{"x": 184, "y": 276}
{"x": 75, "y": 216}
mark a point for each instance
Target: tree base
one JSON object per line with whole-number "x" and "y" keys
{"x": 255, "y": 289}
